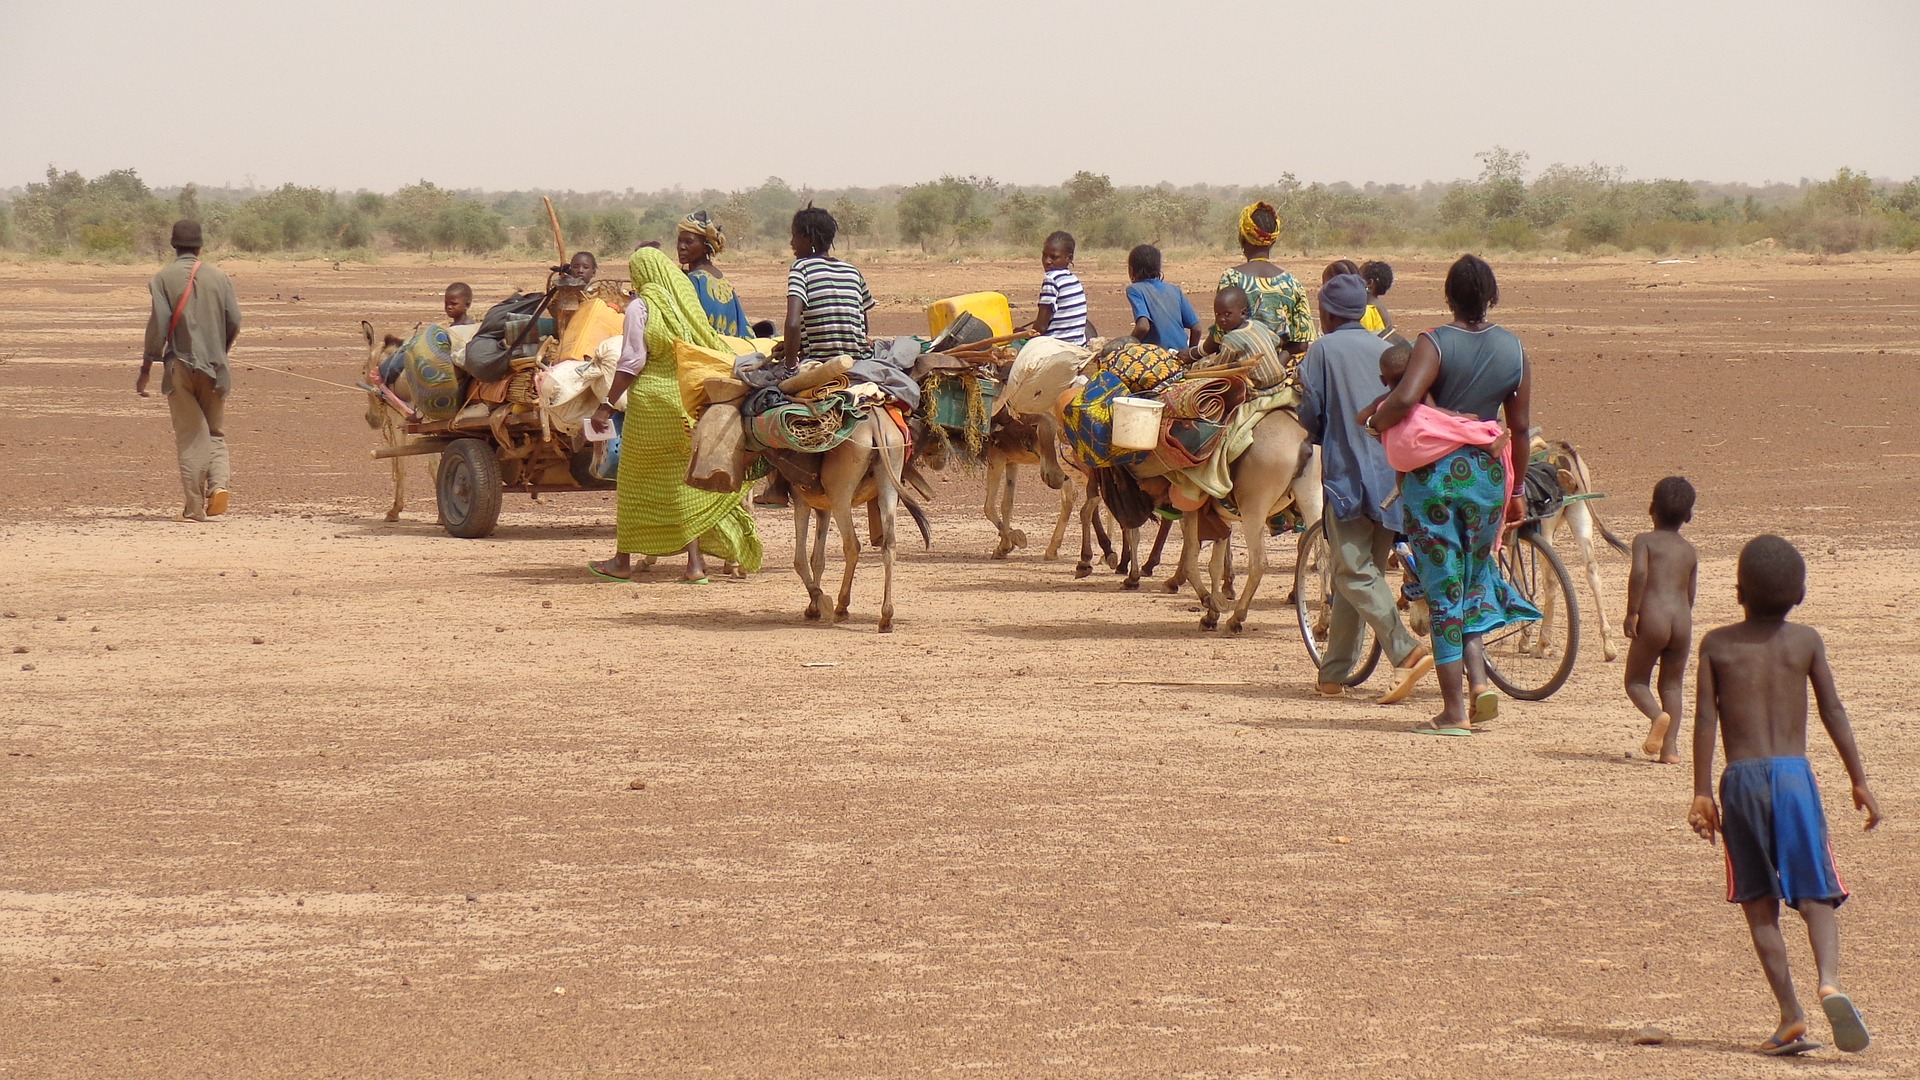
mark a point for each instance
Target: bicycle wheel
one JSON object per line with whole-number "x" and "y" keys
{"x": 1532, "y": 660}
{"x": 1313, "y": 604}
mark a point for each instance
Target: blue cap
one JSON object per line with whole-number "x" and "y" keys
{"x": 1344, "y": 296}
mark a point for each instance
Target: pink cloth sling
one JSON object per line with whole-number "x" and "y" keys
{"x": 1429, "y": 434}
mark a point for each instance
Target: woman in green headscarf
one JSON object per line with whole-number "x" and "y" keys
{"x": 658, "y": 514}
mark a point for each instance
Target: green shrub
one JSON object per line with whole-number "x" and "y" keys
{"x": 1513, "y": 234}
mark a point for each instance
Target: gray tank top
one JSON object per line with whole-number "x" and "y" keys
{"x": 1479, "y": 369}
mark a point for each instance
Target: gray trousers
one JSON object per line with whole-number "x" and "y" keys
{"x": 1361, "y": 596}
{"x": 199, "y": 435}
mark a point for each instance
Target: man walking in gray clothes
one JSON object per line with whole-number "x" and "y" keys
{"x": 192, "y": 322}
{"x": 1341, "y": 376}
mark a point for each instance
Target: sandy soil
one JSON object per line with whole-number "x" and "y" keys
{"x": 304, "y": 792}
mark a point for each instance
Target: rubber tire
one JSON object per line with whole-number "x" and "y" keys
{"x": 1315, "y": 535}
{"x": 468, "y": 490}
{"x": 1571, "y": 604}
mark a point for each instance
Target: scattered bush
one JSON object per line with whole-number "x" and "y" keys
{"x": 1588, "y": 208}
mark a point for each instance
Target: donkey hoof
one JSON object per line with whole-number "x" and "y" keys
{"x": 394, "y": 515}
{"x": 840, "y": 615}
{"x": 813, "y": 614}
{"x": 886, "y": 623}
{"x": 1051, "y": 554}
{"x": 1083, "y": 571}
{"x": 1112, "y": 561}
{"x": 1132, "y": 584}
{"x": 1210, "y": 621}
{"x": 1171, "y": 585}
{"x": 1234, "y": 625}
{"x": 1000, "y": 552}
{"x": 1018, "y": 538}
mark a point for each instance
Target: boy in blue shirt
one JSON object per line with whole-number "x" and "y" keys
{"x": 1160, "y": 311}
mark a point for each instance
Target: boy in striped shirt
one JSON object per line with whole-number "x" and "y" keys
{"x": 1063, "y": 301}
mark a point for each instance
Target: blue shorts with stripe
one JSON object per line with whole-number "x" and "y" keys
{"x": 1775, "y": 833}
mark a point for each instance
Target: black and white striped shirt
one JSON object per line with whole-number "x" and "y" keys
{"x": 834, "y": 302}
{"x": 1063, "y": 291}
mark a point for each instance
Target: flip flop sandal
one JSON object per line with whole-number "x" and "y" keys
{"x": 604, "y": 576}
{"x": 1849, "y": 1031}
{"x": 217, "y": 502}
{"x": 1449, "y": 732}
{"x": 693, "y": 581}
{"x": 1486, "y": 706}
{"x": 1794, "y": 1048}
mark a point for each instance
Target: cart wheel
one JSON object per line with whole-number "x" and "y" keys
{"x": 467, "y": 487}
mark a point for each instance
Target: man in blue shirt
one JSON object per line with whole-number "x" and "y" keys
{"x": 1341, "y": 376}
{"x": 1161, "y": 314}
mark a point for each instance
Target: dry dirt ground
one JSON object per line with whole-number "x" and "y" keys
{"x": 302, "y": 792}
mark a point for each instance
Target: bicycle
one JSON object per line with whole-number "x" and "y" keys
{"x": 1529, "y": 661}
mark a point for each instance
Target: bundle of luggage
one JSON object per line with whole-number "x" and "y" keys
{"x": 763, "y": 406}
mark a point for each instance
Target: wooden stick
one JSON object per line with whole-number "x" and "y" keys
{"x": 409, "y": 450}
{"x": 554, "y": 220}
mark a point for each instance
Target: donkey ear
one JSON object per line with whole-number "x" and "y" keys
{"x": 367, "y": 329}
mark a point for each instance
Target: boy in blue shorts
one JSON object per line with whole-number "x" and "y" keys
{"x": 1752, "y": 686}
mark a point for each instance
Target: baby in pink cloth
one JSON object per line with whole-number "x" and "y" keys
{"x": 1429, "y": 432}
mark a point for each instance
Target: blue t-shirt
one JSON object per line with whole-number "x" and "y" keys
{"x": 1166, "y": 307}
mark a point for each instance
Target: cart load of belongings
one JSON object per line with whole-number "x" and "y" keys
{"x": 462, "y": 373}
{"x": 754, "y": 405}
{"x": 1206, "y": 419}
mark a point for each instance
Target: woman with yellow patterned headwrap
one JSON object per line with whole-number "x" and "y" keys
{"x": 1274, "y": 295}
{"x": 699, "y": 241}
{"x": 658, "y": 514}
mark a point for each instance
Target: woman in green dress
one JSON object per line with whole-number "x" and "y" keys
{"x": 658, "y": 514}
{"x": 1275, "y": 296}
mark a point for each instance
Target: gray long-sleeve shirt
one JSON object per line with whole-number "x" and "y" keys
{"x": 1340, "y": 376}
{"x": 207, "y": 327}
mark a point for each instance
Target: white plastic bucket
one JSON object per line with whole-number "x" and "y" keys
{"x": 1136, "y": 423}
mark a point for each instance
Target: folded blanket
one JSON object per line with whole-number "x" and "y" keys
{"x": 1141, "y": 367}
{"x": 1184, "y": 444}
{"x": 807, "y": 427}
{"x": 1195, "y": 398}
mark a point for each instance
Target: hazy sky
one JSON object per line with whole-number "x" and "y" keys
{"x": 615, "y": 94}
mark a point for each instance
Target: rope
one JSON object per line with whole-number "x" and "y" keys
{"x": 324, "y": 382}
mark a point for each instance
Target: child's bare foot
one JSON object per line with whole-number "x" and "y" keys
{"x": 1849, "y": 1031}
{"x": 1789, "y": 1039}
{"x": 1657, "y": 736}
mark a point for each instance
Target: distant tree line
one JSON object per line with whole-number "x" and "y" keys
{"x": 1583, "y": 208}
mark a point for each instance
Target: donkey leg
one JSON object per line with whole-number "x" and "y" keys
{"x": 1256, "y": 569}
{"x": 802, "y": 564}
{"x": 1580, "y": 519}
{"x": 1089, "y": 520}
{"x": 1016, "y": 537}
{"x": 399, "y": 489}
{"x": 1190, "y": 571}
{"x": 850, "y": 552}
{"x": 1060, "y": 522}
{"x": 1130, "y": 558}
{"x": 996, "y": 474}
{"x": 885, "y": 499}
{"x": 1159, "y": 545}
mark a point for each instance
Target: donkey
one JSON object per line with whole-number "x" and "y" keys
{"x": 865, "y": 470}
{"x": 1582, "y": 518}
{"x": 385, "y": 411}
{"x": 1279, "y": 465}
